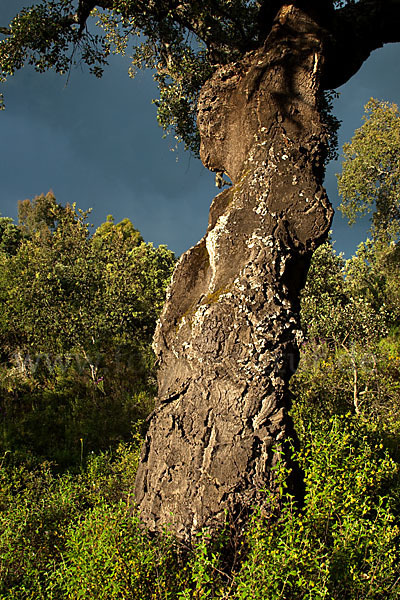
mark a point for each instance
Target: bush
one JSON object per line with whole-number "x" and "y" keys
{"x": 69, "y": 537}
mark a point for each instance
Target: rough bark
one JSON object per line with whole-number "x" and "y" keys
{"x": 227, "y": 339}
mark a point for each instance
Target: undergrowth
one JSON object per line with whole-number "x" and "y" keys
{"x": 78, "y": 536}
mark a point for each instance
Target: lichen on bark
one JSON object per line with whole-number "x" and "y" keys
{"x": 222, "y": 411}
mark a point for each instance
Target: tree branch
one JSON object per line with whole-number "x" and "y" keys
{"x": 85, "y": 7}
{"x": 356, "y": 31}
{"x": 210, "y": 20}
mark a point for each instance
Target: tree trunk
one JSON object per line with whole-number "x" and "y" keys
{"x": 227, "y": 339}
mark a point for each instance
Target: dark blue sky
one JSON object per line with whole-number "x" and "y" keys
{"x": 97, "y": 143}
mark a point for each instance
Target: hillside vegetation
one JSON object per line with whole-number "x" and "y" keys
{"x": 77, "y": 383}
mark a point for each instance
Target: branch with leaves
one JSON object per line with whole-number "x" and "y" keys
{"x": 185, "y": 41}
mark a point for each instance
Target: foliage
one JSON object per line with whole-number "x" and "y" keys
{"x": 76, "y": 330}
{"x": 70, "y": 536}
{"x": 350, "y": 309}
{"x": 38, "y": 510}
{"x": 362, "y": 378}
{"x": 323, "y": 297}
{"x": 370, "y": 178}
{"x": 373, "y": 274}
{"x": 333, "y": 312}
{"x": 39, "y": 217}
{"x": 343, "y": 543}
{"x": 181, "y": 42}
{"x": 10, "y": 236}
{"x": 67, "y": 536}
{"x": 350, "y": 316}
{"x": 331, "y": 121}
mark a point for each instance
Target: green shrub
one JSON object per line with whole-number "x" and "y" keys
{"x": 78, "y": 536}
{"x": 344, "y": 541}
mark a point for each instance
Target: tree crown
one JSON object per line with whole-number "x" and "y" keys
{"x": 370, "y": 178}
{"x": 182, "y": 42}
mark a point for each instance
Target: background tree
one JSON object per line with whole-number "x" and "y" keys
{"x": 78, "y": 316}
{"x": 370, "y": 178}
{"x": 323, "y": 298}
{"x": 370, "y": 183}
{"x": 350, "y": 309}
{"x": 344, "y": 357}
{"x": 40, "y": 216}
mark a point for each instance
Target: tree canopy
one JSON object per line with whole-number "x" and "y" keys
{"x": 78, "y": 315}
{"x": 183, "y": 42}
{"x": 370, "y": 179}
